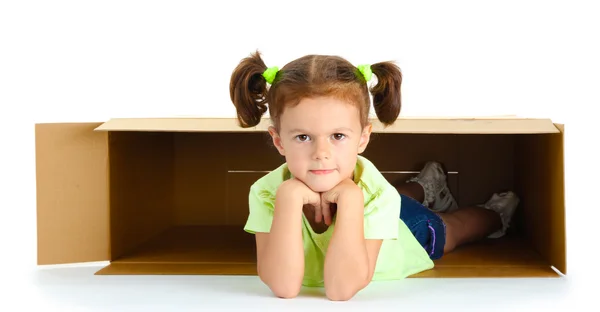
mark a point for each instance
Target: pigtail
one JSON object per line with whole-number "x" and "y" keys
{"x": 248, "y": 90}
{"x": 386, "y": 93}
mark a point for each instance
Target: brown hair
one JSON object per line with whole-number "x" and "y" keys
{"x": 310, "y": 76}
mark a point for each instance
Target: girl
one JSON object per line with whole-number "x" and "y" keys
{"x": 327, "y": 217}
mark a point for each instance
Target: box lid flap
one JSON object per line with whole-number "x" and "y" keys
{"x": 72, "y": 193}
{"x": 457, "y": 125}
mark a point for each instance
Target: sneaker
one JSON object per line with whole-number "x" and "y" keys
{"x": 504, "y": 204}
{"x": 437, "y": 194}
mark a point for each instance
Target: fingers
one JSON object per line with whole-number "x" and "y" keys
{"x": 326, "y": 209}
{"x": 314, "y": 199}
{"x": 327, "y": 200}
{"x": 318, "y": 209}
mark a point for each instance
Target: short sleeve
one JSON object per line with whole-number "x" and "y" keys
{"x": 261, "y": 206}
{"x": 382, "y": 214}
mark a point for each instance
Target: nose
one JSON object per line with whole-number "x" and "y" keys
{"x": 322, "y": 150}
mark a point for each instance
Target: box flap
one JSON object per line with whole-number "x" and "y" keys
{"x": 72, "y": 193}
{"x": 540, "y": 178}
{"x": 457, "y": 125}
{"x": 558, "y": 256}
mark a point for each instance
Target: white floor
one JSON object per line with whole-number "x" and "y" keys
{"x": 76, "y": 288}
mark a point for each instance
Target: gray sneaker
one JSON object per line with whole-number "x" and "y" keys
{"x": 504, "y": 204}
{"x": 437, "y": 194}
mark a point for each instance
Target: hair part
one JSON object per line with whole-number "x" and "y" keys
{"x": 312, "y": 76}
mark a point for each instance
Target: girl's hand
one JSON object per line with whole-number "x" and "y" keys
{"x": 297, "y": 192}
{"x": 346, "y": 190}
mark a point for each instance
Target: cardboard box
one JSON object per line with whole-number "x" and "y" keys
{"x": 169, "y": 195}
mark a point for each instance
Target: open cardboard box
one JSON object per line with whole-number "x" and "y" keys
{"x": 169, "y": 195}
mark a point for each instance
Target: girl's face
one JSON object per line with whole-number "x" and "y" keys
{"x": 320, "y": 139}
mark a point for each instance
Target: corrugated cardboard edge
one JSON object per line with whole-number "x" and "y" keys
{"x": 432, "y": 125}
{"x": 72, "y": 193}
{"x": 558, "y": 256}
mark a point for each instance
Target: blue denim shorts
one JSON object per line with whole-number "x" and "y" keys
{"x": 427, "y": 227}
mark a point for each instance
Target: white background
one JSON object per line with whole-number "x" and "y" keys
{"x": 93, "y": 60}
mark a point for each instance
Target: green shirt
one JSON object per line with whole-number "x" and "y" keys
{"x": 400, "y": 256}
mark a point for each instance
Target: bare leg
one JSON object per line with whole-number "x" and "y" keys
{"x": 464, "y": 225}
{"x": 412, "y": 189}
{"x": 469, "y": 224}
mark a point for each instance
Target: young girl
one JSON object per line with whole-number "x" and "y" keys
{"x": 328, "y": 217}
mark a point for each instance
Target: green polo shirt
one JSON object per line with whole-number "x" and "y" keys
{"x": 400, "y": 256}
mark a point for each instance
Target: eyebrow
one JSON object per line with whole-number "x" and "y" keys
{"x": 341, "y": 129}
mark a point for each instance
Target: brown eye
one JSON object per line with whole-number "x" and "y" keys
{"x": 339, "y": 136}
{"x": 302, "y": 137}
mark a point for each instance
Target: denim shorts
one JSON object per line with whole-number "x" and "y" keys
{"x": 427, "y": 227}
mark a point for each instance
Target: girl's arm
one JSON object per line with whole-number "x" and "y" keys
{"x": 280, "y": 253}
{"x": 350, "y": 260}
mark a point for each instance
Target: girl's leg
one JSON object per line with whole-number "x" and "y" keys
{"x": 462, "y": 225}
{"x": 413, "y": 190}
{"x": 430, "y": 188}
{"x": 470, "y": 224}
{"x": 423, "y": 196}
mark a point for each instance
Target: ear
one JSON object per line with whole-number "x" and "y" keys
{"x": 276, "y": 140}
{"x": 364, "y": 138}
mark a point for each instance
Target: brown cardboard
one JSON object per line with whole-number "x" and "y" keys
{"x": 72, "y": 193}
{"x": 169, "y": 195}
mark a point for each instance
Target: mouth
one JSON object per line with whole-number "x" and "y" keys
{"x": 322, "y": 172}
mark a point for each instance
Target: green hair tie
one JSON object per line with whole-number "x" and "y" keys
{"x": 365, "y": 70}
{"x": 270, "y": 74}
